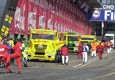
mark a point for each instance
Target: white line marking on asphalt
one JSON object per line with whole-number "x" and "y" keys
{"x": 77, "y": 65}
{"x": 89, "y": 61}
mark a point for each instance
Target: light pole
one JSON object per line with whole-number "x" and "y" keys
{"x": 102, "y": 30}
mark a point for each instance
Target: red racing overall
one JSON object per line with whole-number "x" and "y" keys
{"x": 65, "y": 54}
{"x": 17, "y": 55}
{"x": 3, "y": 51}
{"x": 80, "y": 49}
{"x": 100, "y": 50}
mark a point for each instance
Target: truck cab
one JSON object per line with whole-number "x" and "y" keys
{"x": 44, "y": 44}
{"x": 87, "y": 38}
{"x": 73, "y": 40}
{"x": 111, "y": 37}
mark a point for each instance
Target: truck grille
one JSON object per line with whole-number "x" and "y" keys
{"x": 71, "y": 44}
{"x": 71, "y": 48}
{"x": 40, "y": 51}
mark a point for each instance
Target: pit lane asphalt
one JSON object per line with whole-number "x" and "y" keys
{"x": 50, "y": 70}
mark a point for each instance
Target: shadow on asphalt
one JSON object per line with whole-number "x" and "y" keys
{"x": 3, "y": 72}
{"x": 41, "y": 61}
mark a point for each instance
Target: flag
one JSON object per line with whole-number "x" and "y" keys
{"x": 18, "y": 24}
{"x": 42, "y": 16}
{"x": 26, "y": 31}
{"x": 29, "y": 15}
{"x": 32, "y": 15}
{"x": 49, "y": 17}
{"x": 50, "y": 22}
{"x": 15, "y": 25}
{"x": 56, "y": 26}
{"x": 22, "y": 18}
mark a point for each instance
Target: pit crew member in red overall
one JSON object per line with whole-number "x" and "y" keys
{"x": 17, "y": 55}
{"x": 80, "y": 49}
{"x": 65, "y": 54}
{"x": 3, "y": 51}
{"x": 100, "y": 49}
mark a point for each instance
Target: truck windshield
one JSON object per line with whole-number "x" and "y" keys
{"x": 108, "y": 38}
{"x": 72, "y": 38}
{"x": 43, "y": 36}
{"x": 87, "y": 38}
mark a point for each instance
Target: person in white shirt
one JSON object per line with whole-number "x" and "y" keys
{"x": 85, "y": 52}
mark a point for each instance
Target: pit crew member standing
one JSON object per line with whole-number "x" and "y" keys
{"x": 100, "y": 49}
{"x": 93, "y": 46}
{"x": 64, "y": 53}
{"x": 24, "y": 52}
{"x": 108, "y": 46}
{"x": 85, "y": 52}
{"x": 80, "y": 49}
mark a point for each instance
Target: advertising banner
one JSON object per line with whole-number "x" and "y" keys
{"x": 101, "y": 15}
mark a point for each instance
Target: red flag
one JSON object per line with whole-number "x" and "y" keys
{"x": 55, "y": 23}
{"x": 22, "y": 18}
{"x": 18, "y": 25}
{"x": 32, "y": 15}
{"x": 26, "y": 31}
{"x": 15, "y": 25}
{"x": 42, "y": 17}
{"x": 49, "y": 17}
{"x": 37, "y": 16}
{"x": 29, "y": 15}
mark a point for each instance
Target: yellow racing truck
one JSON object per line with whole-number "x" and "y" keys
{"x": 87, "y": 38}
{"x": 71, "y": 39}
{"x": 44, "y": 45}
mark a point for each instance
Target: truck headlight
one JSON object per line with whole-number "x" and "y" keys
{"x": 49, "y": 54}
{"x": 29, "y": 55}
